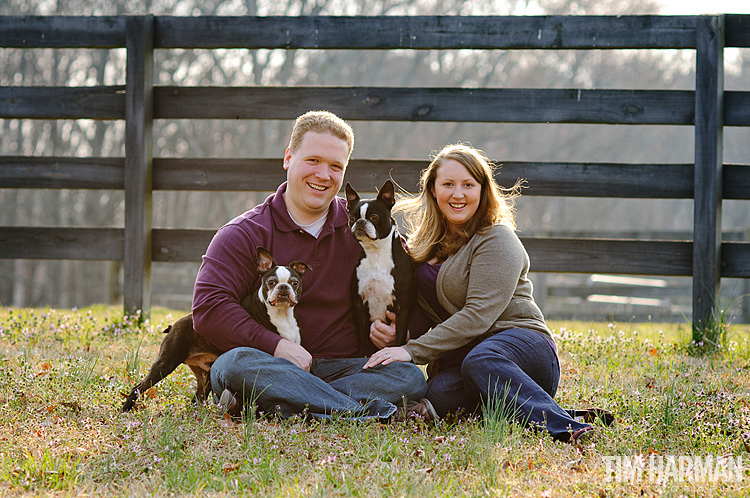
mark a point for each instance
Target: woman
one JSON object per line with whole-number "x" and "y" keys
{"x": 477, "y": 326}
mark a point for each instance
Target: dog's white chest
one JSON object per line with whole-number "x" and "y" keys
{"x": 284, "y": 321}
{"x": 375, "y": 282}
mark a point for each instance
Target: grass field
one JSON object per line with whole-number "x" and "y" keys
{"x": 61, "y": 434}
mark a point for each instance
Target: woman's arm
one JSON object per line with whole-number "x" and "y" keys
{"x": 494, "y": 267}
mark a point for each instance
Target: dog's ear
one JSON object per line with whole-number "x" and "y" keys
{"x": 265, "y": 260}
{"x": 352, "y": 197}
{"x": 300, "y": 267}
{"x": 387, "y": 194}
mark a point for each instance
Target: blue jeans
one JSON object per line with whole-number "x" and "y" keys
{"x": 516, "y": 369}
{"x": 333, "y": 387}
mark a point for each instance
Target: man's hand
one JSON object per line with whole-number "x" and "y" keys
{"x": 383, "y": 335}
{"x": 294, "y": 353}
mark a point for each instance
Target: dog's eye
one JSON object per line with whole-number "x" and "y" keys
{"x": 272, "y": 282}
{"x": 374, "y": 217}
{"x": 294, "y": 282}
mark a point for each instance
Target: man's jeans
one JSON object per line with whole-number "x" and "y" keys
{"x": 333, "y": 388}
{"x": 516, "y": 371}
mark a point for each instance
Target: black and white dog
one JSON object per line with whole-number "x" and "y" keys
{"x": 271, "y": 306}
{"x": 384, "y": 279}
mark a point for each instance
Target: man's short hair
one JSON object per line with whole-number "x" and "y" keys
{"x": 321, "y": 122}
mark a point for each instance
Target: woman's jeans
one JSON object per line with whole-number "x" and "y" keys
{"x": 333, "y": 387}
{"x": 515, "y": 371}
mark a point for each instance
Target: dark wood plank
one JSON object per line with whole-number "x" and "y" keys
{"x": 370, "y": 32}
{"x": 738, "y": 30}
{"x": 737, "y": 108}
{"x": 629, "y": 257}
{"x": 99, "y": 173}
{"x": 550, "y": 179}
{"x": 39, "y": 102}
{"x": 218, "y": 174}
{"x": 709, "y": 138}
{"x": 387, "y": 104}
{"x": 427, "y": 32}
{"x": 430, "y": 104}
{"x": 138, "y": 165}
{"x": 173, "y": 245}
{"x": 619, "y": 180}
{"x": 616, "y": 180}
{"x": 221, "y": 174}
{"x": 61, "y": 243}
{"x": 548, "y": 254}
{"x": 62, "y": 31}
{"x": 736, "y": 181}
{"x": 101, "y": 244}
{"x": 735, "y": 259}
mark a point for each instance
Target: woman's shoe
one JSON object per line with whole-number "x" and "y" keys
{"x": 582, "y": 436}
{"x": 422, "y": 409}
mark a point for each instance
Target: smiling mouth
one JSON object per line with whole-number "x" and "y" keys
{"x": 457, "y": 206}
{"x": 319, "y": 188}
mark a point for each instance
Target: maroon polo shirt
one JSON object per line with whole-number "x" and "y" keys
{"x": 229, "y": 271}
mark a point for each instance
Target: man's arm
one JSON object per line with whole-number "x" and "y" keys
{"x": 227, "y": 274}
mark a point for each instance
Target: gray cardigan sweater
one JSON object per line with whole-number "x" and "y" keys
{"x": 485, "y": 288}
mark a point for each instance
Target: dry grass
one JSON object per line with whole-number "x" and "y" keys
{"x": 63, "y": 374}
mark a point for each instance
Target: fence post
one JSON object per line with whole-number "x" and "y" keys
{"x": 138, "y": 164}
{"x": 745, "y": 296}
{"x": 709, "y": 136}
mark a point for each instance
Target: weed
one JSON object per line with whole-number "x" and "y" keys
{"x": 500, "y": 414}
{"x": 133, "y": 362}
{"x": 711, "y": 336}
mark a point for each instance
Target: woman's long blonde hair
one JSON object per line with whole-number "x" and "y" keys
{"x": 427, "y": 230}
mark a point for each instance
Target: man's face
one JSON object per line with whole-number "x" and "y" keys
{"x": 315, "y": 172}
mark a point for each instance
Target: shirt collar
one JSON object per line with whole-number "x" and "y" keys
{"x": 337, "y": 214}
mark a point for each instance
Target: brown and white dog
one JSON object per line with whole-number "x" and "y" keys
{"x": 271, "y": 306}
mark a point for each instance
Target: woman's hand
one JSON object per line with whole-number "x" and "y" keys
{"x": 388, "y": 355}
{"x": 383, "y": 335}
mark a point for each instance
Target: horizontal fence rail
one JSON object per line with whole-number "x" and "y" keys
{"x": 550, "y": 254}
{"x": 372, "y": 32}
{"x": 709, "y": 109}
{"x": 611, "y": 180}
{"x": 481, "y": 105}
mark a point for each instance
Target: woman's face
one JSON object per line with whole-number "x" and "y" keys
{"x": 457, "y": 193}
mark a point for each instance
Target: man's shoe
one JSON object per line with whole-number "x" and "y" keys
{"x": 229, "y": 404}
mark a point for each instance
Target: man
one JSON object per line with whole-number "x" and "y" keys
{"x": 304, "y": 220}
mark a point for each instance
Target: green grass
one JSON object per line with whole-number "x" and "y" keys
{"x": 63, "y": 374}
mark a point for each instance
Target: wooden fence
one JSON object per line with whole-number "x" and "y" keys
{"x": 634, "y": 298}
{"x": 708, "y": 109}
